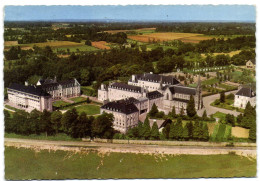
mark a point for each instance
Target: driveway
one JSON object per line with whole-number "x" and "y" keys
{"x": 212, "y": 110}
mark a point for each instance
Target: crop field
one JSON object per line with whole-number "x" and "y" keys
{"x": 100, "y": 45}
{"x": 22, "y": 163}
{"x": 141, "y": 30}
{"x": 222, "y": 132}
{"x": 230, "y": 53}
{"x": 185, "y": 37}
{"x": 240, "y": 132}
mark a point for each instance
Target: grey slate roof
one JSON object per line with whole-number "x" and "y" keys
{"x": 29, "y": 89}
{"x": 51, "y": 84}
{"x": 170, "y": 80}
{"x": 122, "y": 106}
{"x": 247, "y": 92}
{"x": 153, "y": 95}
{"x": 182, "y": 90}
{"x": 123, "y": 86}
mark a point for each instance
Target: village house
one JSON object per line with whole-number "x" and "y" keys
{"x": 250, "y": 64}
{"x": 29, "y": 97}
{"x": 243, "y": 96}
{"x": 61, "y": 89}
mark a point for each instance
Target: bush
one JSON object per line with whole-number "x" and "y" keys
{"x": 230, "y": 96}
{"x": 217, "y": 102}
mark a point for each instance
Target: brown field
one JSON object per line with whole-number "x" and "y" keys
{"x": 185, "y": 37}
{"x": 230, "y": 53}
{"x": 53, "y": 44}
{"x": 117, "y": 31}
{"x": 10, "y": 43}
{"x": 100, "y": 45}
{"x": 211, "y": 127}
{"x": 240, "y": 132}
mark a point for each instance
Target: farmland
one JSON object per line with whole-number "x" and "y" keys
{"x": 100, "y": 45}
{"x": 185, "y": 37}
{"x": 89, "y": 165}
{"x": 140, "y": 30}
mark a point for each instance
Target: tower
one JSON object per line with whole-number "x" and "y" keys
{"x": 199, "y": 94}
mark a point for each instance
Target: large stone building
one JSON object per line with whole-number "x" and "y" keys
{"x": 147, "y": 89}
{"x": 61, "y": 89}
{"x": 152, "y": 81}
{"x": 126, "y": 114}
{"x": 243, "y": 96}
{"x": 29, "y": 97}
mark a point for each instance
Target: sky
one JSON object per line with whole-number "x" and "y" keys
{"x": 134, "y": 12}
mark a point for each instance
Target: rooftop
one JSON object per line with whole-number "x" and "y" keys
{"x": 182, "y": 90}
{"x": 170, "y": 80}
{"x": 127, "y": 87}
{"x": 125, "y": 106}
{"x": 247, "y": 92}
{"x": 153, "y": 95}
{"x": 29, "y": 89}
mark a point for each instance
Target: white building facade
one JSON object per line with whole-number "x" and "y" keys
{"x": 29, "y": 98}
{"x": 243, "y": 96}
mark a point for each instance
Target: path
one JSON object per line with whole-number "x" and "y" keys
{"x": 211, "y": 109}
{"x": 127, "y": 148}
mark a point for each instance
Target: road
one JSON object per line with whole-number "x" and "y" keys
{"x": 212, "y": 110}
{"x": 127, "y": 148}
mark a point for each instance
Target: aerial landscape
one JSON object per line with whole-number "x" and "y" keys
{"x": 129, "y": 96}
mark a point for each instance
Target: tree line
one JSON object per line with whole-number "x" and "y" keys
{"x": 71, "y": 123}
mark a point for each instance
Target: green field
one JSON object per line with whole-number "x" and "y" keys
{"x": 210, "y": 81}
{"x": 60, "y": 103}
{"x": 25, "y": 163}
{"x": 89, "y": 109}
{"x": 219, "y": 115}
{"x": 78, "y": 99}
{"x": 58, "y": 137}
{"x": 222, "y": 132}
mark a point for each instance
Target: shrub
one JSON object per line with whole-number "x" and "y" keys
{"x": 217, "y": 102}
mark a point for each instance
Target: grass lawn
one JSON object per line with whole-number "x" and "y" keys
{"x": 89, "y": 109}
{"x": 22, "y": 163}
{"x": 78, "y": 99}
{"x": 227, "y": 105}
{"x": 58, "y": 137}
{"x": 219, "y": 115}
{"x": 60, "y": 103}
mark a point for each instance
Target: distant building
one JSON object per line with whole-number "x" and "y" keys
{"x": 126, "y": 114}
{"x": 152, "y": 81}
{"x": 29, "y": 97}
{"x": 243, "y": 96}
{"x": 126, "y": 45}
{"x": 250, "y": 64}
{"x": 61, "y": 89}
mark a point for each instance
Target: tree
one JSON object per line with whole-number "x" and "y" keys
{"x": 166, "y": 130}
{"x": 252, "y": 131}
{"x": 172, "y": 131}
{"x": 45, "y": 122}
{"x": 204, "y": 116}
{"x": 179, "y": 129}
{"x": 196, "y": 130}
{"x": 190, "y": 129}
{"x": 102, "y": 126}
{"x": 191, "y": 111}
{"x": 173, "y": 112}
{"x": 153, "y": 111}
{"x": 140, "y": 129}
{"x": 155, "y": 131}
{"x": 185, "y": 134}
{"x": 88, "y": 100}
{"x": 182, "y": 111}
{"x": 222, "y": 97}
{"x": 67, "y": 120}
{"x": 230, "y": 119}
{"x": 84, "y": 76}
{"x": 56, "y": 120}
{"x": 205, "y": 133}
{"x": 146, "y": 129}
{"x": 88, "y": 42}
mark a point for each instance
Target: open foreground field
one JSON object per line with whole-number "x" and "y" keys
{"x": 24, "y": 163}
{"x": 169, "y": 36}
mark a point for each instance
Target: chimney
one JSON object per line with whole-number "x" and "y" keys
{"x": 26, "y": 83}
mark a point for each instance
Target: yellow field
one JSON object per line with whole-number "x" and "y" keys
{"x": 10, "y": 43}
{"x": 185, "y": 37}
{"x": 211, "y": 127}
{"x": 100, "y": 45}
{"x": 230, "y": 53}
{"x": 240, "y": 132}
{"x": 125, "y": 31}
